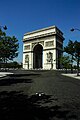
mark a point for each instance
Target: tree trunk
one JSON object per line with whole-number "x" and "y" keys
{"x": 78, "y": 66}
{"x": 72, "y": 65}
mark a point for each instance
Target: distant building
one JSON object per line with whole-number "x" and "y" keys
{"x": 42, "y": 48}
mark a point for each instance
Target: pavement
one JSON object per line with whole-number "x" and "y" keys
{"x": 72, "y": 75}
{"x": 3, "y": 74}
{"x": 43, "y": 95}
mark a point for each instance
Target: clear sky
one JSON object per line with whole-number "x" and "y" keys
{"x": 22, "y": 16}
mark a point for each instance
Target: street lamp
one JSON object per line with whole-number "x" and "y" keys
{"x": 4, "y": 27}
{"x": 73, "y": 29}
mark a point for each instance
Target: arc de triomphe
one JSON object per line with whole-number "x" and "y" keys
{"x": 42, "y": 48}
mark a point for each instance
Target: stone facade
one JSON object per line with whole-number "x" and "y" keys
{"x": 42, "y": 48}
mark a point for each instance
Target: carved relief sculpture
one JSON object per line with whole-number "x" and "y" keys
{"x": 26, "y": 58}
{"x": 50, "y": 43}
{"x": 49, "y": 56}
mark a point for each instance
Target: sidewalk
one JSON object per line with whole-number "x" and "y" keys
{"x": 72, "y": 75}
{"x": 3, "y": 74}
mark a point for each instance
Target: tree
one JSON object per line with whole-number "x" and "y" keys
{"x": 77, "y": 54}
{"x": 73, "y": 48}
{"x": 65, "y": 62}
{"x": 14, "y": 65}
{"x": 2, "y": 33}
{"x": 8, "y": 48}
{"x": 70, "y": 50}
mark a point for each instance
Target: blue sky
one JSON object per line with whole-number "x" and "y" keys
{"x": 22, "y": 16}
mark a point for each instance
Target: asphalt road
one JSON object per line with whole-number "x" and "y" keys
{"x": 61, "y": 94}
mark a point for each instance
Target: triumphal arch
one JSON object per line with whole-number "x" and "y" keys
{"x": 42, "y": 48}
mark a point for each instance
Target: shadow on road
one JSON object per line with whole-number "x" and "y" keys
{"x": 16, "y": 78}
{"x": 15, "y": 105}
{"x": 10, "y": 81}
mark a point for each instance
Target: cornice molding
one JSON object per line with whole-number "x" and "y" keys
{"x": 39, "y": 36}
{"x": 40, "y": 30}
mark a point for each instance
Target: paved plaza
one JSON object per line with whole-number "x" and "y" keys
{"x": 39, "y": 95}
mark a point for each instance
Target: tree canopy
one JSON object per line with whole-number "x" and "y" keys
{"x": 73, "y": 48}
{"x": 65, "y": 61}
{"x": 8, "y": 47}
{"x": 70, "y": 47}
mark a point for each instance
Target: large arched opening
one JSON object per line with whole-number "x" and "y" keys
{"x": 37, "y": 56}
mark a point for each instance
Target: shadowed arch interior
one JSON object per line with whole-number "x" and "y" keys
{"x": 37, "y": 56}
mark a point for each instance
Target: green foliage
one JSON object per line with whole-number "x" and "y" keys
{"x": 65, "y": 61}
{"x": 73, "y": 48}
{"x": 77, "y": 49}
{"x": 8, "y": 48}
{"x": 70, "y": 48}
{"x": 2, "y": 33}
{"x": 13, "y": 64}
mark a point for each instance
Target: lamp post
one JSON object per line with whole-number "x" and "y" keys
{"x": 73, "y": 29}
{"x": 4, "y": 27}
